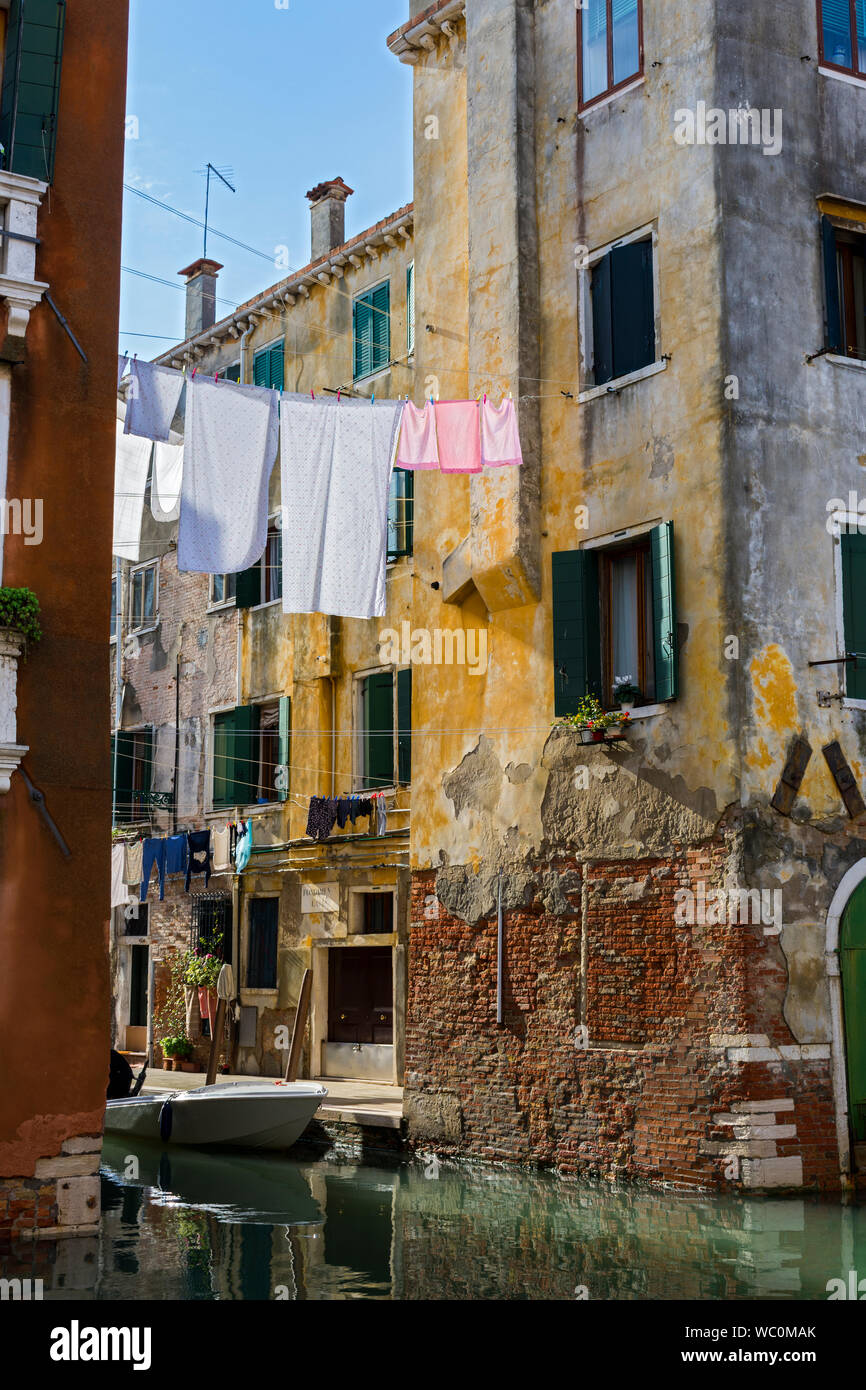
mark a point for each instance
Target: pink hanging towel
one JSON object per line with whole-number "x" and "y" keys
{"x": 418, "y": 448}
{"x": 459, "y": 436}
{"x": 500, "y": 440}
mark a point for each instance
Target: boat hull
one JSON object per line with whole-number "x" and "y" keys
{"x": 233, "y": 1115}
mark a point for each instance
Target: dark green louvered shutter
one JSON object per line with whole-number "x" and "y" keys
{"x": 246, "y": 755}
{"x": 632, "y": 307}
{"x": 602, "y": 323}
{"x": 362, "y": 335}
{"x": 223, "y": 758}
{"x": 381, "y": 303}
{"x": 664, "y": 612}
{"x": 576, "y": 629}
{"x": 248, "y": 590}
{"x": 269, "y": 366}
{"x": 404, "y": 726}
{"x": 122, "y": 774}
{"x": 285, "y": 756}
{"x": 31, "y": 86}
{"x": 144, "y": 746}
{"x": 379, "y": 730}
{"x": 854, "y": 611}
{"x": 833, "y": 333}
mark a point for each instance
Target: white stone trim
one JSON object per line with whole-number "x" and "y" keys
{"x": 848, "y": 77}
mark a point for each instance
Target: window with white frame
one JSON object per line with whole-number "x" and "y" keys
{"x": 619, "y": 328}
{"x": 143, "y": 595}
{"x": 223, "y": 588}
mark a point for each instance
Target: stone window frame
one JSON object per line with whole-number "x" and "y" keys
{"x": 153, "y": 623}
{"x": 275, "y": 525}
{"x": 588, "y": 391}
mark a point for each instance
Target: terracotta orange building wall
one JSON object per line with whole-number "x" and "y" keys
{"x": 54, "y": 992}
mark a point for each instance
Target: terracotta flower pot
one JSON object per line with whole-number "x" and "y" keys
{"x": 598, "y": 735}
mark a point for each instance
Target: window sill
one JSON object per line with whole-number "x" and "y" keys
{"x": 850, "y": 77}
{"x": 854, "y": 363}
{"x": 648, "y": 712}
{"x": 221, "y": 607}
{"x": 143, "y": 631}
{"x": 258, "y": 607}
{"x": 611, "y": 387}
{"x": 373, "y": 376}
{"x": 596, "y": 103}
{"x": 848, "y": 702}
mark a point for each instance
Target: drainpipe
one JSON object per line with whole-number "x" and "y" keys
{"x": 118, "y": 683}
{"x": 244, "y": 337}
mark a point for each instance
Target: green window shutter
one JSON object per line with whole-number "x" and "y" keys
{"x": 833, "y": 332}
{"x": 381, "y": 301}
{"x": 285, "y": 744}
{"x": 854, "y": 610}
{"x": 576, "y": 628}
{"x": 248, "y": 590}
{"x": 223, "y": 758}
{"x": 262, "y": 368}
{"x": 632, "y": 307}
{"x": 277, "y": 366}
{"x": 31, "y": 86}
{"x": 410, "y": 307}
{"x": 246, "y": 755}
{"x": 602, "y": 322}
{"x": 145, "y": 741}
{"x": 664, "y": 612}
{"x": 378, "y": 712}
{"x": 404, "y": 726}
{"x": 362, "y": 336}
{"x": 122, "y": 775}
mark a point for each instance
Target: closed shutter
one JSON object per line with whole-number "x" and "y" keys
{"x": 410, "y": 307}
{"x": 269, "y": 366}
{"x": 833, "y": 330}
{"x": 236, "y": 756}
{"x": 632, "y": 307}
{"x": 576, "y": 629}
{"x": 31, "y": 86}
{"x": 404, "y": 726}
{"x": 362, "y": 335}
{"x": 285, "y": 747}
{"x": 122, "y": 773}
{"x": 248, "y": 590}
{"x": 262, "y": 954}
{"x": 602, "y": 324}
{"x": 223, "y": 758}
{"x": 378, "y": 714}
{"x": 664, "y": 612}
{"x": 143, "y": 742}
{"x": 381, "y": 326}
{"x": 854, "y": 611}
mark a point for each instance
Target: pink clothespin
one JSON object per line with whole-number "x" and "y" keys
{"x": 338, "y": 395}
{"x": 194, "y": 370}
{"x": 216, "y": 376}
{"x": 312, "y": 397}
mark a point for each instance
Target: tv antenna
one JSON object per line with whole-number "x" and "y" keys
{"x": 221, "y": 175}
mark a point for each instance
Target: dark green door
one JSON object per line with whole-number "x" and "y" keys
{"x": 853, "y": 961}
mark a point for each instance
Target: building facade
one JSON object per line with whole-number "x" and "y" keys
{"x": 61, "y": 118}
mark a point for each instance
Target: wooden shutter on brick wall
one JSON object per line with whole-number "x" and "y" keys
{"x": 576, "y": 629}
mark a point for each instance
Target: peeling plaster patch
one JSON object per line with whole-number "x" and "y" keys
{"x": 553, "y": 888}
{"x": 663, "y": 457}
{"x": 470, "y": 895}
{"x": 521, "y": 772}
{"x": 807, "y": 1002}
{"x": 774, "y": 689}
{"x": 476, "y": 783}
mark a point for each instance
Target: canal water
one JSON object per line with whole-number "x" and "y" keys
{"x": 186, "y": 1225}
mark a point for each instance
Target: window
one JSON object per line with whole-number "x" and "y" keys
{"x": 610, "y": 46}
{"x": 223, "y": 588}
{"x": 386, "y": 729}
{"x": 845, "y": 289}
{"x": 132, "y": 770}
{"x": 135, "y": 918}
{"x": 210, "y": 928}
{"x": 264, "y": 935}
{"x": 30, "y": 87}
{"x": 401, "y": 509}
{"x": 378, "y": 913}
{"x": 842, "y": 35}
{"x": 232, "y": 373}
{"x": 113, "y": 607}
{"x": 269, "y": 366}
{"x": 143, "y": 595}
{"x": 853, "y": 548}
{"x": 410, "y": 308}
{"x": 263, "y": 582}
{"x": 252, "y": 753}
{"x": 614, "y": 615}
{"x": 621, "y": 333}
{"x": 371, "y": 330}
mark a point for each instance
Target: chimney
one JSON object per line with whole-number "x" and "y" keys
{"x": 201, "y": 278}
{"x": 328, "y": 216}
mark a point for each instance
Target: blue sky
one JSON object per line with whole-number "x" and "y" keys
{"x": 284, "y": 96}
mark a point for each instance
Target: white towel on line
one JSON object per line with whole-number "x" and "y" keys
{"x": 166, "y": 482}
{"x": 152, "y": 400}
{"x": 231, "y": 436}
{"x": 336, "y": 460}
{"x": 119, "y": 890}
{"x": 131, "y": 464}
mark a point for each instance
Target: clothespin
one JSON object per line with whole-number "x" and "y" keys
{"x": 509, "y": 395}
{"x": 373, "y": 398}
{"x": 312, "y": 397}
{"x": 194, "y": 370}
{"x": 338, "y": 395}
{"x": 216, "y": 376}
{"x": 484, "y": 402}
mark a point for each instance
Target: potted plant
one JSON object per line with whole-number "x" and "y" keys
{"x": 202, "y": 971}
{"x": 19, "y": 625}
{"x": 618, "y": 724}
{"x": 175, "y": 1050}
{"x": 625, "y": 693}
{"x": 589, "y": 719}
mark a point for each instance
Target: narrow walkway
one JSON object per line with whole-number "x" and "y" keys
{"x": 347, "y": 1102}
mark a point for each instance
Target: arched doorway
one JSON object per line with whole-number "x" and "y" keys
{"x": 852, "y": 968}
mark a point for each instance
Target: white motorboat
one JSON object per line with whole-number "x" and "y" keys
{"x": 234, "y": 1114}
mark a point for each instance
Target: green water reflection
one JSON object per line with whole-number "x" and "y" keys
{"x": 186, "y": 1225}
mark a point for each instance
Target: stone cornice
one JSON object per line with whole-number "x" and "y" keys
{"x": 421, "y": 33}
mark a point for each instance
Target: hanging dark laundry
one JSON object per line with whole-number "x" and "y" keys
{"x": 322, "y": 817}
{"x": 199, "y": 856}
